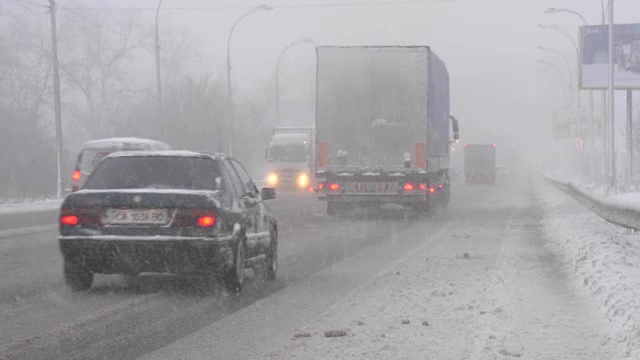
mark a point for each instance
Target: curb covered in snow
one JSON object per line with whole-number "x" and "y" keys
{"x": 623, "y": 215}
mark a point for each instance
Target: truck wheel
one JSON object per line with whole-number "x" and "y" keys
{"x": 234, "y": 277}
{"x": 271, "y": 260}
{"x": 78, "y": 277}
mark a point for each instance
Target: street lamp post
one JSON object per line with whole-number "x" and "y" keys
{"x": 575, "y": 46}
{"x": 229, "y": 88}
{"x": 277, "y": 80}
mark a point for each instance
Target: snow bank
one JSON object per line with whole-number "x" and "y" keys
{"x": 606, "y": 260}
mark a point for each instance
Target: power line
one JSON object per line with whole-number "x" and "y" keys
{"x": 119, "y": 33}
{"x": 216, "y": 8}
{"x": 32, "y": 3}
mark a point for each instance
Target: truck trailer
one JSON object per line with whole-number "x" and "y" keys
{"x": 480, "y": 163}
{"x": 382, "y": 127}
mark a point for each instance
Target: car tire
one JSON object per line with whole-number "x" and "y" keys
{"x": 234, "y": 276}
{"x": 271, "y": 260}
{"x": 78, "y": 277}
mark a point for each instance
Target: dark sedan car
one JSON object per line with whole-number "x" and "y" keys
{"x": 176, "y": 212}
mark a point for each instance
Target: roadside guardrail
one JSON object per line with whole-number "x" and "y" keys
{"x": 618, "y": 214}
{"x": 25, "y": 217}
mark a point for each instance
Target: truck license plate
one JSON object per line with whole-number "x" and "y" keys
{"x": 374, "y": 187}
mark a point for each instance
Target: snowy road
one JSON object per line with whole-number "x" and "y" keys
{"x": 481, "y": 274}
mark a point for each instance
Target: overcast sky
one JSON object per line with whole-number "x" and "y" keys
{"x": 490, "y": 47}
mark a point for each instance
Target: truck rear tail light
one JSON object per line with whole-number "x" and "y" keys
{"x": 408, "y": 187}
{"x": 69, "y": 220}
{"x": 334, "y": 186}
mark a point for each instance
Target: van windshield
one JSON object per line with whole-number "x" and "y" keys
{"x": 289, "y": 153}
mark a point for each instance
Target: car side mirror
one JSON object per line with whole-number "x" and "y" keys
{"x": 268, "y": 193}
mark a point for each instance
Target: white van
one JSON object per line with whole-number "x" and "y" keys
{"x": 95, "y": 150}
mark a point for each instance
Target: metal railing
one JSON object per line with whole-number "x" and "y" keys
{"x": 618, "y": 214}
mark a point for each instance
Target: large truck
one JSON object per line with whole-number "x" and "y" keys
{"x": 382, "y": 127}
{"x": 291, "y": 158}
{"x": 480, "y": 163}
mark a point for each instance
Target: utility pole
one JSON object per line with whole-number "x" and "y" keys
{"x": 611, "y": 91}
{"x": 56, "y": 93}
{"x": 158, "y": 74}
{"x": 629, "y": 137}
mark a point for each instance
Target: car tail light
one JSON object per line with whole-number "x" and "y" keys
{"x": 423, "y": 187}
{"x": 206, "y": 221}
{"x": 432, "y": 190}
{"x": 194, "y": 217}
{"x": 439, "y": 186}
{"x": 69, "y": 220}
{"x": 321, "y": 186}
{"x": 408, "y": 187}
{"x": 86, "y": 216}
{"x": 334, "y": 186}
{"x": 76, "y": 175}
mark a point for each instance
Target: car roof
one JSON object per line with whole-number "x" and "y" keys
{"x": 123, "y": 143}
{"x": 164, "y": 153}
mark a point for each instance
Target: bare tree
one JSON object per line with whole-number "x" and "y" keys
{"x": 98, "y": 61}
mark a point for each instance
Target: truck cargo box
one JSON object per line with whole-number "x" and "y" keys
{"x": 377, "y": 104}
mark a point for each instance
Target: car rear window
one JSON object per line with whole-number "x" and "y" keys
{"x": 89, "y": 159}
{"x": 155, "y": 172}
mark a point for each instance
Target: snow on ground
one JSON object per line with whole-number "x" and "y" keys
{"x": 606, "y": 262}
{"x": 495, "y": 288}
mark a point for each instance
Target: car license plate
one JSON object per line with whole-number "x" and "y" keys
{"x": 374, "y": 187}
{"x": 136, "y": 216}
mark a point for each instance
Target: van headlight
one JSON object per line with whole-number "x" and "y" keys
{"x": 303, "y": 180}
{"x": 272, "y": 179}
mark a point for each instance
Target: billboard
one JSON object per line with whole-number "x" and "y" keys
{"x": 595, "y": 56}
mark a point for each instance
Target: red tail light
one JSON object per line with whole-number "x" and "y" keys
{"x": 423, "y": 187}
{"x": 439, "y": 186}
{"x": 206, "y": 221}
{"x": 334, "y": 186}
{"x": 408, "y": 187}
{"x": 432, "y": 190}
{"x": 194, "y": 217}
{"x": 69, "y": 220}
{"x": 76, "y": 175}
{"x": 320, "y": 186}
